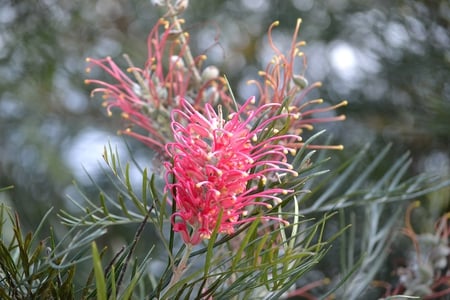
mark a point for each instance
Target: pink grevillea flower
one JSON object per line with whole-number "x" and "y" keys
{"x": 170, "y": 73}
{"x": 216, "y": 166}
{"x": 281, "y": 83}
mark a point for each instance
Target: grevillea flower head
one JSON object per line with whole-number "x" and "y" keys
{"x": 216, "y": 165}
{"x": 424, "y": 273}
{"x": 146, "y": 98}
{"x": 281, "y": 83}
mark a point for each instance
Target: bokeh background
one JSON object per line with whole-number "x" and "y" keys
{"x": 389, "y": 59}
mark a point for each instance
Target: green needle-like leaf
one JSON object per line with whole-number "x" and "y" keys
{"x": 99, "y": 275}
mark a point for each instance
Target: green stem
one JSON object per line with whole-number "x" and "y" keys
{"x": 188, "y": 54}
{"x": 179, "y": 270}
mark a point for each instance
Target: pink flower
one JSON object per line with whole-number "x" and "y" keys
{"x": 169, "y": 74}
{"x": 216, "y": 167}
{"x": 281, "y": 83}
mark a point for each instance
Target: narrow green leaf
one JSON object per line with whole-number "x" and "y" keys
{"x": 112, "y": 278}
{"x": 6, "y": 188}
{"x": 36, "y": 255}
{"x": 101, "y": 197}
{"x": 21, "y": 245}
{"x": 131, "y": 286}
{"x": 99, "y": 275}
{"x": 144, "y": 187}
{"x": 7, "y": 262}
{"x": 243, "y": 244}
{"x": 105, "y": 154}
{"x": 276, "y": 253}
{"x": 369, "y": 169}
{"x": 212, "y": 240}
{"x": 136, "y": 201}
{"x": 41, "y": 223}
{"x": 258, "y": 249}
{"x": 298, "y": 156}
{"x": 396, "y": 180}
{"x": 340, "y": 180}
{"x": 2, "y": 220}
{"x": 124, "y": 207}
{"x": 112, "y": 160}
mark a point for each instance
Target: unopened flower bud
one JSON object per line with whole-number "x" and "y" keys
{"x": 300, "y": 81}
{"x": 210, "y": 72}
{"x": 177, "y": 61}
{"x": 181, "y": 6}
{"x": 174, "y": 34}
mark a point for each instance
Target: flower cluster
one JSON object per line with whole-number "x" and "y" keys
{"x": 281, "y": 83}
{"x": 216, "y": 167}
{"x": 426, "y": 272}
{"x": 170, "y": 74}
